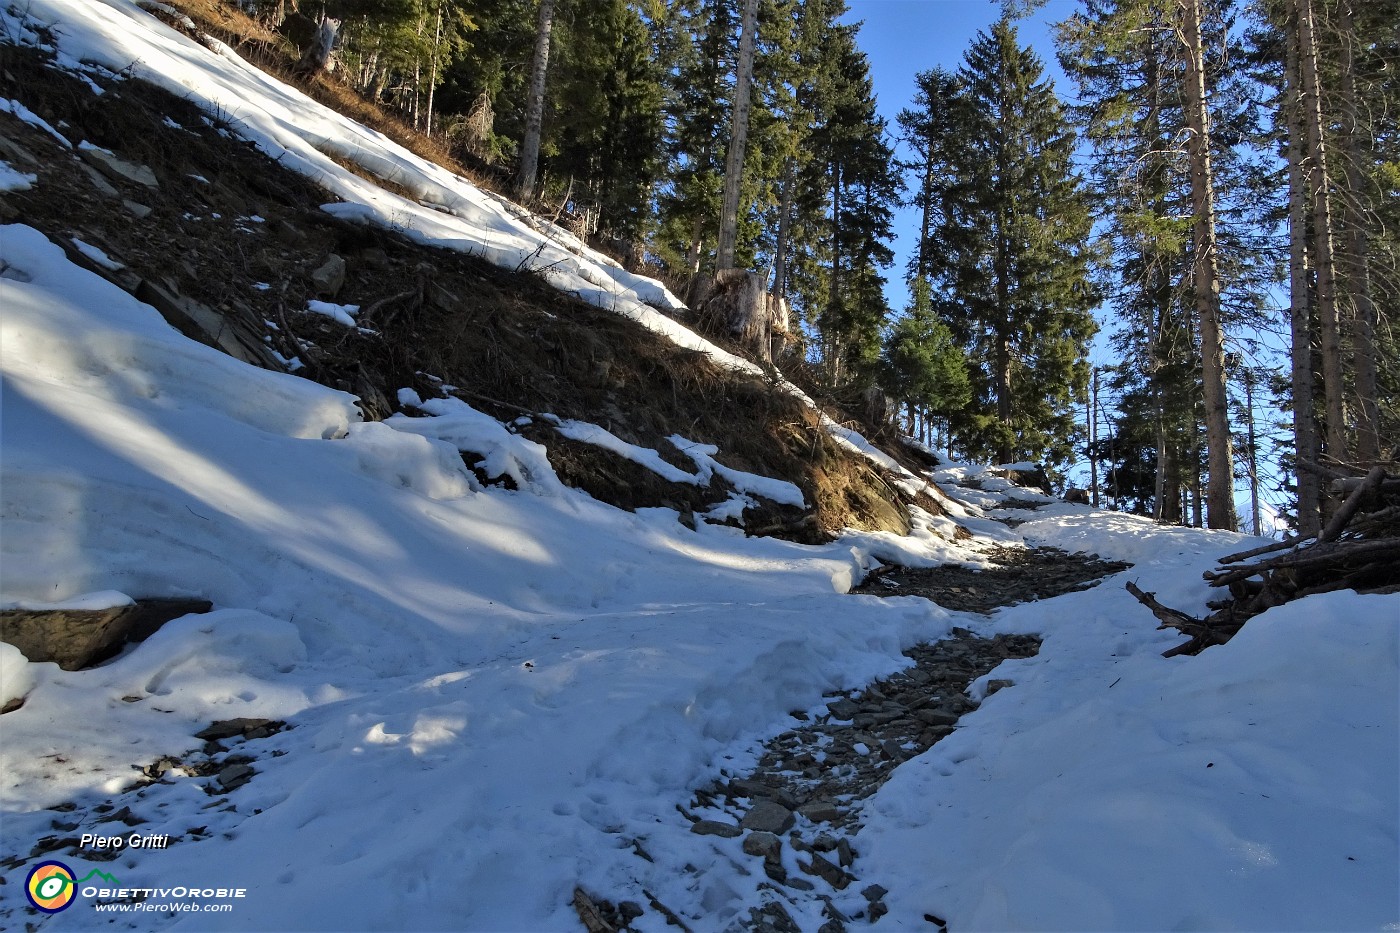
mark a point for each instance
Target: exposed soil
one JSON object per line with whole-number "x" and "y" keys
{"x": 241, "y": 235}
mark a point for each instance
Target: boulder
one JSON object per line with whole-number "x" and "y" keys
{"x": 79, "y": 638}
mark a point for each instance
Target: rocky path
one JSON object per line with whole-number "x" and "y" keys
{"x": 799, "y": 810}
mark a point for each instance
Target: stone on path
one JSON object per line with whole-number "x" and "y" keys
{"x": 768, "y": 817}
{"x": 715, "y": 828}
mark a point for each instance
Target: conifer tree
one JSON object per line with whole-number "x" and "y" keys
{"x": 1012, "y": 256}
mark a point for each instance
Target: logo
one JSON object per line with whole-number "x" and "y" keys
{"x": 50, "y": 886}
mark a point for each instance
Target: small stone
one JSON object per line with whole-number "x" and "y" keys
{"x": 775, "y": 871}
{"x": 994, "y": 685}
{"x": 764, "y": 845}
{"x": 715, "y": 828}
{"x": 630, "y": 910}
{"x": 235, "y": 776}
{"x": 800, "y": 884}
{"x": 936, "y": 717}
{"x": 330, "y": 276}
{"x": 137, "y": 210}
{"x": 824, "y": 842}
{"x": 100, "y": 183}
{"x": 845, "y": 854}
{"x": 769, "y": 817}
{"x": 873, "y": 892}
{"x": 826, "y": 871}
{"x": 820, "y": 811}
{"x": 842, "y": 708}
{"x": 228, "y": 728}
{"x": 118, "y": 169}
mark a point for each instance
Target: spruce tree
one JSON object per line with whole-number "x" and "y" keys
{"x": 1012, "y": 256}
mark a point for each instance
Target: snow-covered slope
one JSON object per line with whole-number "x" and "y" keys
{"x": 496, "y": 696}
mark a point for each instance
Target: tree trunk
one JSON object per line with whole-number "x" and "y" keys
{"x": 1252, "y": 452}
{"x": 1300, "y": 306}
{"x": 1357, "y": 270}
{"x": 1220, "y": 495}
{"x": 433, "y": 69}
{"x": 317, "y": 57}
{"x": 1323, "y": 247}
{"x": 780, "y": 253}
{"x": 534, "y": 109}
{"x": 738, "y": 139}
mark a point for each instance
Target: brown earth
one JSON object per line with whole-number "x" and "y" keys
{"x": 508, "y": 343}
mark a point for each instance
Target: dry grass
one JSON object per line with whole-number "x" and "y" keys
{"x": 511, "y": 343}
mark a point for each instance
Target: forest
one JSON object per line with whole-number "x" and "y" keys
{"x": 1218, "y": 190}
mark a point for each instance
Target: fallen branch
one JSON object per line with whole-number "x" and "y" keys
{"x": 1353, "y": 502}
{"x": 1203, "y": 632}
{"x": 666, "y": 912}
{"x": 588, "y": 912}
{"x": 1319, "y": 555}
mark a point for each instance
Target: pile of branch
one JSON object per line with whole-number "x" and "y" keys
{"x": 1359, "y": 550}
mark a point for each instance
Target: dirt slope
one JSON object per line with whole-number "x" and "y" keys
{"x": 226, "y": 243}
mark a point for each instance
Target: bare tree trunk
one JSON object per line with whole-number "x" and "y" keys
{"x": 1300, "y": 307}
{"x": 1220, "y": 496}
{"x": 1252, "y": 453}
{"x": 1094, "y": 439}
{"x": 1357, "y": 269}
{"x": 738, "y": 139}
{"x": 534, "y": 110}
{"x": 1332, "y": 387}
{"x": 780, "y": 260}
{"x": 433, "y": 69}
{"x": 317, "y": 56}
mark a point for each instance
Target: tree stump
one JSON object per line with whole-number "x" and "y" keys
{"x": 736, "y": 302}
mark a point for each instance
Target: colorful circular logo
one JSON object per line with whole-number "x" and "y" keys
{"x": 50, "y": 886}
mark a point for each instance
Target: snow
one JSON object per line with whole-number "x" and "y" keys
{"x": 11, "y": 179}
{"x": 495, "y": 694}
{"x": 97, "y": 255}
{"x": 341, "y": 314}
{"x": 780, "y": 491}
{"x": 642, "y": 456}
{"x": 26, "y": 115}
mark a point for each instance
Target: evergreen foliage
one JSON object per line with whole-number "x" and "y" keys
{"x": 1008, "y": 223}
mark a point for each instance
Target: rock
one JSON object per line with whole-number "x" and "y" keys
{"x": 329, "y": 277}
{"x": 235, "y": 776}
{"x": 100, "y": 183}
{"x": 994, "y": 685}
{"x": 766, "y": 845}
{"x": 843, "y": 708}
{"x": 769, "y": 817}
{"x": 742, "y": 787}
{"x": 845, "y": 854}
{"x": 228, "y": 728}
{"x": 873, "y": 892}
{"x": 139, "y": 211}
{"x": 936, "y": 717}
{"x": 79, "y": 638}
{"x": 820, "y": 811}
{"x": 826, "y": 871}
{"x": 715, "y": 828}
{"x": 629, "y": 910}
{"x": 117, "y": 169}
{"x": 892, "y": 750}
